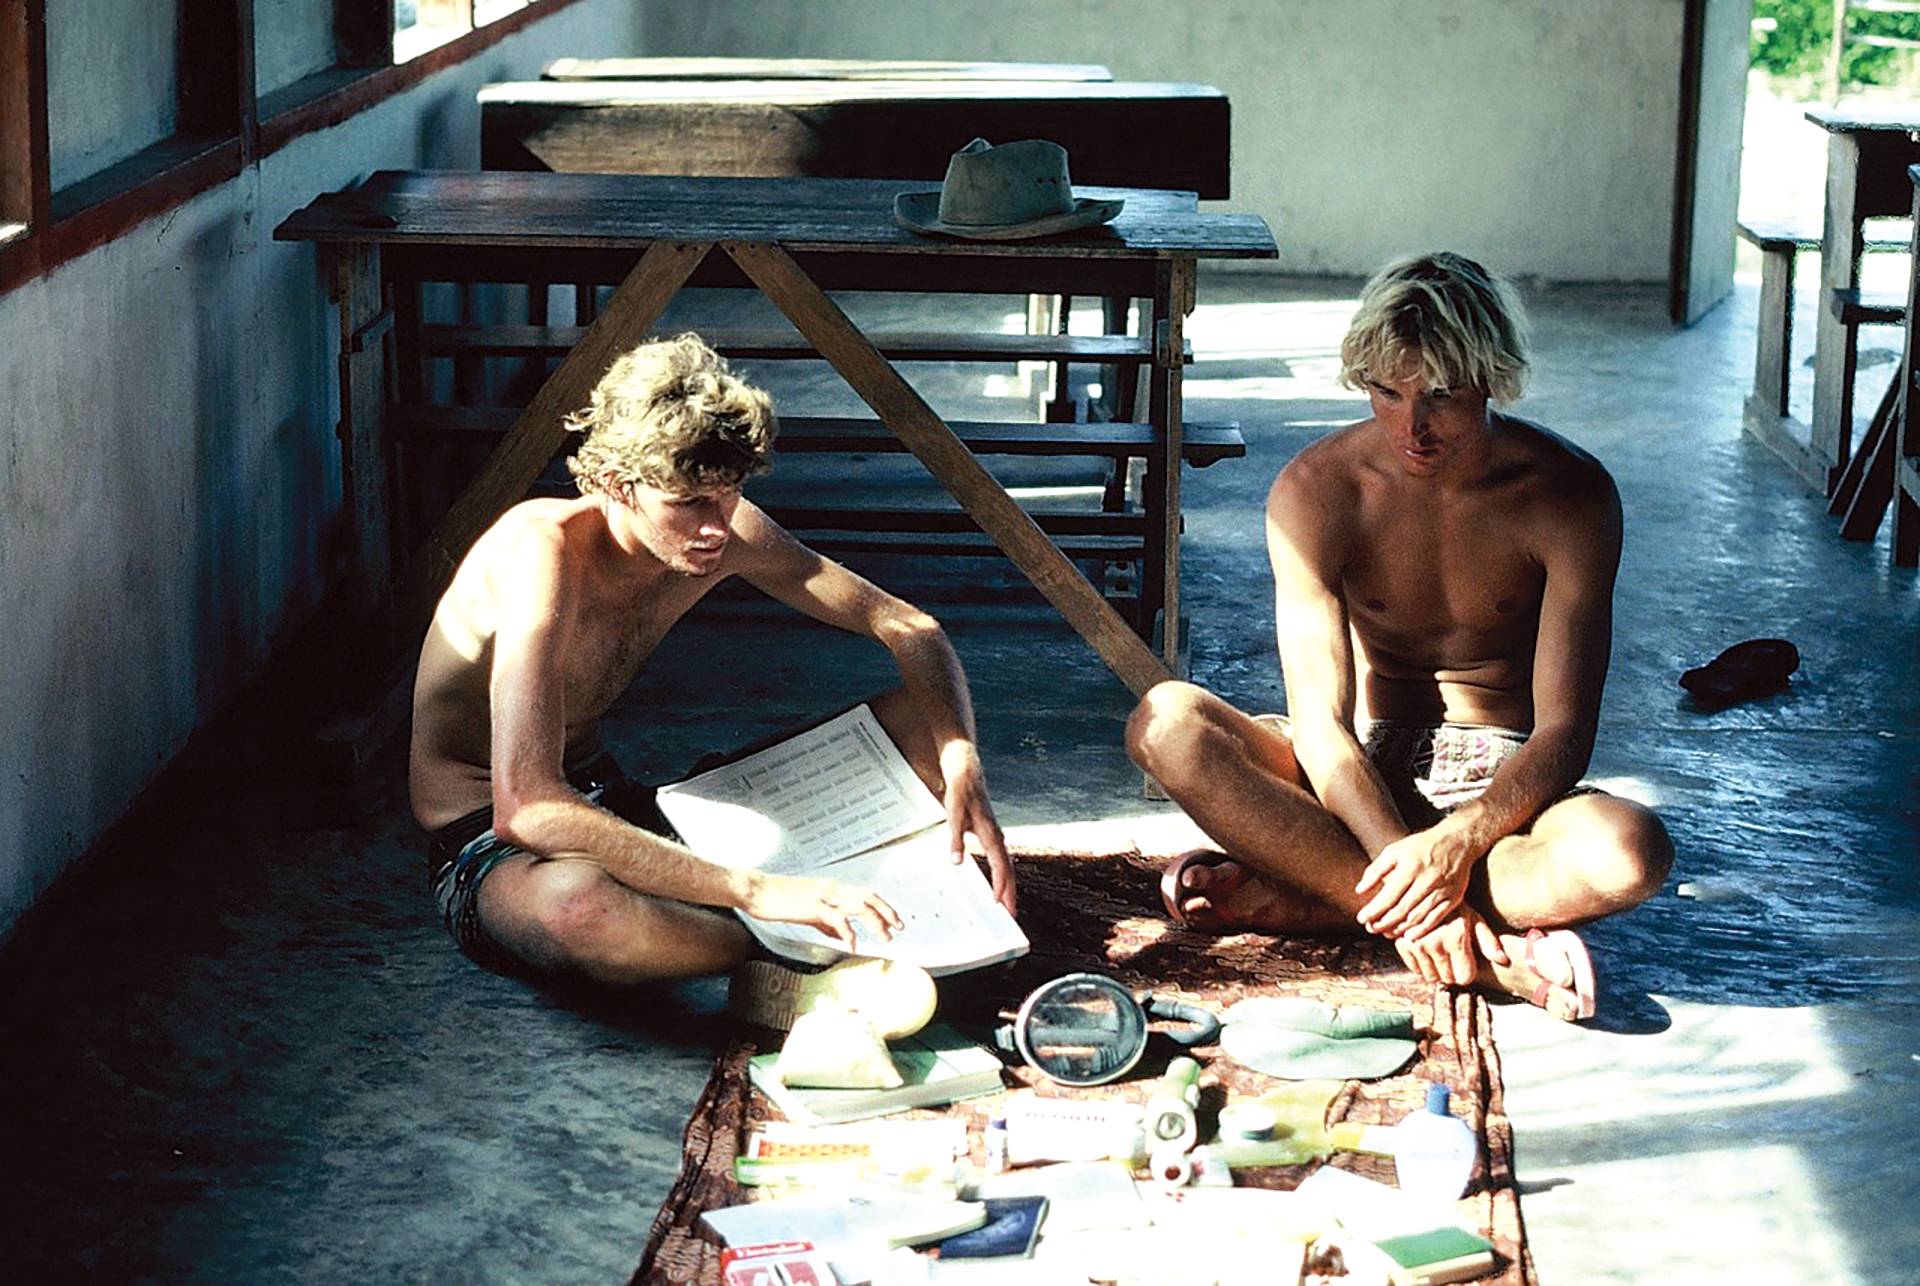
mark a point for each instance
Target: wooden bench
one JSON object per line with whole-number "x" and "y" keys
{"x": 1201, "y": 444}
{"x": 1141, "y": 134}
{"x": 1768, "y": 409}
{"x": 1115, "y": 535}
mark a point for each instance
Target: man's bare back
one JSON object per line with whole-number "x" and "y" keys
{"x": 619, "y": 613}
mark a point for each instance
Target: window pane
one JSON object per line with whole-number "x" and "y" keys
{"x": 420, "y": 25}
{"x": 485, "y": 11}
{"x": 292, "y": 39}
{"x": 112, "y": 83}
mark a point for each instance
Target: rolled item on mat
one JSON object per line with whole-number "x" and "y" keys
{"x": 1172, "y": 1168}
{"x": 1169, "y": 1120}
{"x": 1052, "y": 1129}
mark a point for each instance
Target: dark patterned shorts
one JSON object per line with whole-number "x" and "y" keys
{"x": 1434, "y": 769}
{"x": 462, "y": 853}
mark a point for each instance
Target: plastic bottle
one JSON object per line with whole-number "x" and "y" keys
{"x": 1433, "y": 1150}
{"x": 996, "y": 1144}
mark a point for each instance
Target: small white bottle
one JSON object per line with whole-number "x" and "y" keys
{"x": 1433, "y": 1150}
{"x": 996, "y": 1145}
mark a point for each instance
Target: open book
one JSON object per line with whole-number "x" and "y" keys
{"x": 839, "y": 800}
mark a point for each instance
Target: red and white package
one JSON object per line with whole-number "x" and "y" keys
{"x": 775, "y": 1263}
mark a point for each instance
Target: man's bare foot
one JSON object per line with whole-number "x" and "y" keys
{"x": 1551, "y": 970}
{"x": 1207, "y": 890}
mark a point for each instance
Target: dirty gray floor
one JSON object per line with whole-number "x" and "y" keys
{"x": 236, "y": 1048}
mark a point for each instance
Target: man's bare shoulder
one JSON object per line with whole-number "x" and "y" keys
{"x": 1564, "y": 473}
{"x": 539, "y": 522}
{"x": 1323, "y": 477}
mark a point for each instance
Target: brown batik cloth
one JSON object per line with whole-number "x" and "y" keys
{"x": 1103, "y": 913}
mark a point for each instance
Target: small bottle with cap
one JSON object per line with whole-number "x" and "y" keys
{"x": 1433, "y": 1150}
{"x": 996, "y": 1145}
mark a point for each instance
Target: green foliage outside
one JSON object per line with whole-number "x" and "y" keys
{"x": 1801, "y": 42}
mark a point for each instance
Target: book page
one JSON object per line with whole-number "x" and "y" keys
{"x": 951, "y": 921}
{"x": 827, "y": 793}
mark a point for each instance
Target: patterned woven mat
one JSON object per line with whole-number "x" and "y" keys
{"x": 1102, "y": 912}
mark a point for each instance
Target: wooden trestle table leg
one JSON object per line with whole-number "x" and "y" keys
{"x": 909, "y": 417}
{"x": 537, "y": 434}
{"x": 1161, "y": 581}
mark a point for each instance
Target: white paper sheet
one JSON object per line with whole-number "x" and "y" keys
{"x": 832, "y": 791}
{"x": 839, "y": 800}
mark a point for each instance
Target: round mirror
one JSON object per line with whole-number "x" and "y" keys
{"x": 1081, "y": 1029}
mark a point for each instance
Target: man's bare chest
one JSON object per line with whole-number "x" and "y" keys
{"x": 1468, "y": 580}
{"x": 607, "y": 646}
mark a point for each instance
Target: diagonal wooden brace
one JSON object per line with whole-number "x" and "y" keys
{"x": 537, "y": 434}
{"x": 904, "y": 412}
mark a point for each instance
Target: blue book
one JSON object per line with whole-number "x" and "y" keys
{"x": 1012, "y": 1226}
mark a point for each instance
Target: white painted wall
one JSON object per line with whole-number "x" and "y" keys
{"x": 170, "y": 474}
{"x": 1537, "y": 134}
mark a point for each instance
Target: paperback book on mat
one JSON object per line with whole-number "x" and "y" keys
{"x": 839, "y": 800}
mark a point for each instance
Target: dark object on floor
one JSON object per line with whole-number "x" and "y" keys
{"x": 1746, "y": 670}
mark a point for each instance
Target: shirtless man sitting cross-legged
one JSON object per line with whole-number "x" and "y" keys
{"x": 1444, "y": 593}
{"x": 543, "y": 858}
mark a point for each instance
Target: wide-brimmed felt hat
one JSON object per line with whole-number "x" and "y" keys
{"x": 1004, "y": 193}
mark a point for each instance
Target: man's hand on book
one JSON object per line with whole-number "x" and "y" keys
{"x": 970, "y": 812}
{"x": 838, "y": 910}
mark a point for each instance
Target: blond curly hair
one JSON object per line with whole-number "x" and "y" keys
{"x": 1462, "y": 326}
{"x": 670, "y": 414}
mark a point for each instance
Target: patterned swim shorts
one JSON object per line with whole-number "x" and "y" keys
{"x": 1434, "y": 769}
{"x": 461, "y": 854}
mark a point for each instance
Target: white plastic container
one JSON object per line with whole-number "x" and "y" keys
{"x": 1433, "y": 1150}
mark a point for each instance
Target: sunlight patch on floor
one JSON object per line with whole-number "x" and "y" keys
{"x": 1164, "y": 832}
{"x": 1638, "y": 789}
{"x": 1713, "y": 1238}
{"x": 1715, "y": 1060}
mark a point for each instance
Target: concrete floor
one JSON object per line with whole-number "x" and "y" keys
{"x": 237, "y": 1048}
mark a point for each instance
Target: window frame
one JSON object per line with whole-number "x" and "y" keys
{"x": 224, "y": 126}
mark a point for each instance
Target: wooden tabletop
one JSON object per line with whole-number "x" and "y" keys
{"x": 540, "y": 209}
{"x": 803, "y": 93}
{"x": 812, "y": 69}
{"x": 1853, "y": 120}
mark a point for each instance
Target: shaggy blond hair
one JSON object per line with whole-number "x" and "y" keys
{"x": 1444, "y": 315}
{"x": 670, "y": 414}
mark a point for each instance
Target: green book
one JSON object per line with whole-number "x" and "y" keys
{"x": 937, "y": 1066}
{"x": 1444, "y": 1254}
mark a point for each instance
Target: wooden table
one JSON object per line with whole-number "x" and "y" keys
{"x": 812, "y": 69}
{"x": 793, "y": 240}
{"x": 1867, "y": 158}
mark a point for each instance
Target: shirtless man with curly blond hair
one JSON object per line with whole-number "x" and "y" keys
{"x": 1443, "y": 577}
{"x": 543, "y": 858}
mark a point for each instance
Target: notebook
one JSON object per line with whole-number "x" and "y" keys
{"x": 937, "y": 1066}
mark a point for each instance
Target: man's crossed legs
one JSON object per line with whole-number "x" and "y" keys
{"x": 1292, "y": 865}
{"x": 566, "y": 917}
